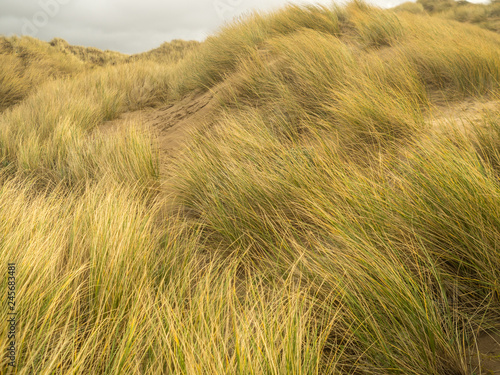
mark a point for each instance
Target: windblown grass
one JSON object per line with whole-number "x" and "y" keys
{"x": 167, "y": 53}
{"x": 88, "y": 54}
{"x": 26, "y": 64}
{"x": 484, "y": 15}
{"x": 220, "y": 54}
{"x": 50, "y": 135}
{"x": 323, "y": 225}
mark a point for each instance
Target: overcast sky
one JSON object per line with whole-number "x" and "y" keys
{"x": 129, "y": 26}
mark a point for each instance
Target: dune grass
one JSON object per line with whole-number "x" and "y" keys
{"x": 486, "y": 15}
{"x": 51, "y": 135}
{"x": 26, "y": 64}
{"x": 91, "y": 55}
{"x": 322, "y": 225}
{"x": 167, "y": 53}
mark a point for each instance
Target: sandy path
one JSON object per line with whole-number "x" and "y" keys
{"x": 171, "y": 124}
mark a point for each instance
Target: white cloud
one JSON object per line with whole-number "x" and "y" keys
{"x": 128, "y": 25}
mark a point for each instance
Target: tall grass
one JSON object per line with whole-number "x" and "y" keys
{"x": 318, "y": 225}
{"x": 220, "y": 54}
{"x": 167, "y": 53}
{"x": 408, "y": 244}
{"x": 26, "y": 64}
{"x": 91, "y": 55}
{"x": 51, "y": 136}
{"x": 484, "y": 15}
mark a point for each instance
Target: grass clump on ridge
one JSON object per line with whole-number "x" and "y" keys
{"x": 220, "y": 54}
{"x": 167, "y": 53}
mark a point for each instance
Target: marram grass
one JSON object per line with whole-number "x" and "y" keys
{"x": 323, "y": 224}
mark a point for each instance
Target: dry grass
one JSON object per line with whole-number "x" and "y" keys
{"x": 88, "y": 54}
{"x": 50, "y": 135}
{"x": 484, "y": 15}
{"x": 26, "y": 64}
{"x": 168, "y": 53}
{"x": 323, "y": 226}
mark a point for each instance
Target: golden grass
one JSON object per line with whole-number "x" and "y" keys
{"x": 323, "y": 226}
{"x": 27, "y": 63}
{"x": 88, "y": 54}
{"x": 50, "y": 135}
{"x": 168, "y": 52}
{"x": 484, "y": 15}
